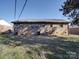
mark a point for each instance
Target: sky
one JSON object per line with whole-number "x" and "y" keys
{"x": 34, "y": 9}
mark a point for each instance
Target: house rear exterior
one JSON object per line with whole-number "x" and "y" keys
{"x": 41, "y": 27}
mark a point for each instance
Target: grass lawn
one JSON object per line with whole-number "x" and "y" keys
{"x": 39, "y": 47}
{"x": 74, "y": 38}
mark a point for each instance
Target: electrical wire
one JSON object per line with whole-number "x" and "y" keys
{"x": 22, "y": 9}
{"x": 15, "y": 9}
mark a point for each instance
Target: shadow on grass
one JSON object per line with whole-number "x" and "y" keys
{"x": 51, "y": 47}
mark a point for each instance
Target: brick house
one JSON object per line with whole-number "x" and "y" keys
{"x": 41, "y": 27}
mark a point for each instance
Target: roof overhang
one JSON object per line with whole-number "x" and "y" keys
{"x": 47, "y": 21}
{"x": 40, "y": 22}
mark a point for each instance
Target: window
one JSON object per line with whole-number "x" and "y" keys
{"x": 61, "y": 25}
{"x": 15, "y": 33}
{"x": 51, "y": 25}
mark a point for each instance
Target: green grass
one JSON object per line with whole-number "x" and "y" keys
{"x": 36, "y": 51}
{"x": 72, "y": 38}
{"x": 19, "y": 52}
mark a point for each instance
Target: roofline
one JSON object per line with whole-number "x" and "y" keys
{"x": 39, "y": 22}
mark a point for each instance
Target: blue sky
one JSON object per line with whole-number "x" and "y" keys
{"x": 34, "y": 9}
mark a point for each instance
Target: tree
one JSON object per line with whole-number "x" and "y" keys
{"x": 70, "y": 8}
